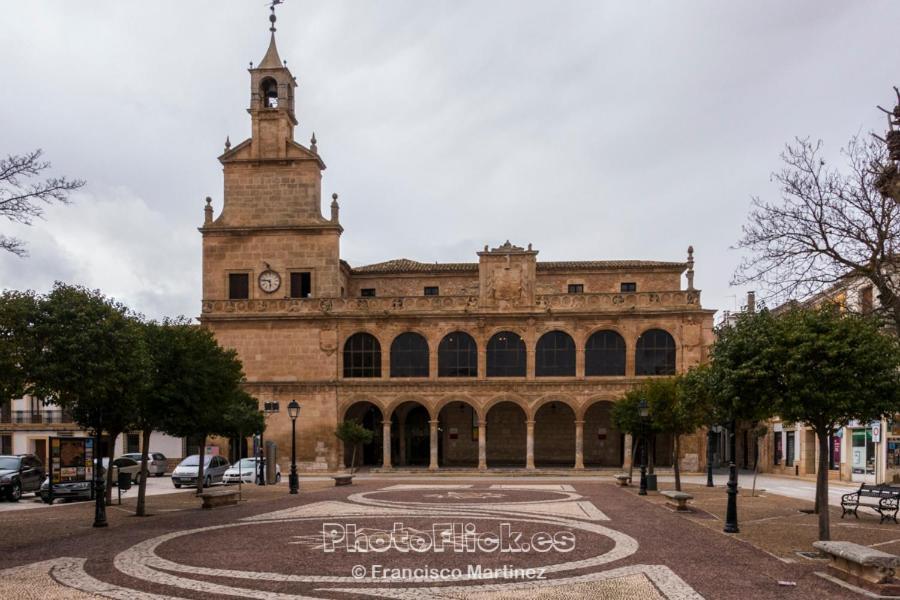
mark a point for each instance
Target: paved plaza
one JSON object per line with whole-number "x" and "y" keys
{"x": 492, "y": 538}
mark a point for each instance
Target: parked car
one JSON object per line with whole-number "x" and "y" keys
{"x": 185, "y": 473}
{"x": 157, "y": 464}
{"x": 81, "y": 490}
{"x": 20, "y": 474}
{"x": 246, "y": 469}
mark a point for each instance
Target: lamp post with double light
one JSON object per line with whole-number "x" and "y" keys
{"x": 644, "y": 411}
{"x": 294, "y": 412}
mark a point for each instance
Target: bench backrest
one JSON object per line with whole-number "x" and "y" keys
{"x": 879, "y": 491}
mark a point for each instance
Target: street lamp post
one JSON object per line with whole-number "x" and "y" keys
{"x": 731, "y": 520}
{"x": 294, "y": 412}
{"x": 269, "y": 408}
{"x": 710, "y": 440}
{"x": 644, "y": 412}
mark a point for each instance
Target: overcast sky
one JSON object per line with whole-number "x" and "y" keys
{"x": 594, "y": 130}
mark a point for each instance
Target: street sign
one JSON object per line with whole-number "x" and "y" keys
{"x": 876, "y": 433}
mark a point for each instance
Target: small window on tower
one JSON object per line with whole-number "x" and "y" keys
{"x": 238, "y": 286}
{"x": 367, "y": 292}
{"x": 270, "y": 93}
{"x": 431, "y": 290}
{"x": 628, "y": 286}
{"x": 301, "y": 285}
{"x": 576, "y": 288}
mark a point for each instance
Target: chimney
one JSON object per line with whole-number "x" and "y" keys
{"x": 751, "y": 302}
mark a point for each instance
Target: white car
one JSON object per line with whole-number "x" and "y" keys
{"x": 245, "y": 469}
{"x": 185, "y": 473}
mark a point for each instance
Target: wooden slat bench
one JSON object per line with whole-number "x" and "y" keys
{"x": 219, "y": 498}
{"x": 678, "y": 500}
{"x": 884, "y": 499}
{"x": 859, "y": 564}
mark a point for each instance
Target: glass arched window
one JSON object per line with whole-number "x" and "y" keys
{"x": 604, "y": 354}
{"x": 362, "y": 356}
{"x": 506, "y": 355}
{"x": 457, "y": 355}
{"x": 655, "y": 353}
{"x": 555, "y": 355}
{"x": 409, "y": 356}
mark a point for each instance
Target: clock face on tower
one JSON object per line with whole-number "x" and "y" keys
{"x": 269, "y": 281}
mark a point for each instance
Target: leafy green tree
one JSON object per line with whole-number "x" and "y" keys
{"x": 834, "y": 368}
{"x": 626, "y": 417}
{"x": 353, "y": 434}
{"x": 213, "y": 379}
{"x": 17, "y": 313}
{"x": 88, "y": 356}
{"x": 674, "y": 411}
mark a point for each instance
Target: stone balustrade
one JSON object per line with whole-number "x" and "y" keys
{"x": 399, "y": 305}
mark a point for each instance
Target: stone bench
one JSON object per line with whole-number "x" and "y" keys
{"x": 342, "y": 480}
{"x": 622, "y": 479}
{"x": 678, "y": 500}
{"x": 219, "y": 498}
{"x": 859, "y": 564}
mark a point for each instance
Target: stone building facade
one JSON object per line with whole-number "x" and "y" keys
{"x": 503, "y": 361}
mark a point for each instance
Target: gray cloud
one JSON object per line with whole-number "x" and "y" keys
{"x": 592, "y": 129}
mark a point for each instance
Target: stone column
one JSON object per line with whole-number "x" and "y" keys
{"x": 401, "y": 434}
{"x": 386, "y": 443}
{"x": 482, "y": 444}
{"x": 579, "y": 444}
{"x": 433, "y": 439}
{"x": 529, "y": 445}
{"x": 629, "y": 442}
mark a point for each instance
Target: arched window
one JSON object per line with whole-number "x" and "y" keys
{"x": 506, "y": 355}
{"x": 604, "y": 354}
{"x": 409, "y": 356}
{"x": 555, "y": 356}
{"x": 655, "y": 353}
{"x": 457, "y": 355}
{"x": 362, "y": 356}
{"x": 269, "y": 92}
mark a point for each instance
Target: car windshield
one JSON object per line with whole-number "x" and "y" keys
{"x": 193, "y": 461}
{"x": 9, "y": 462}
{"x": 246, "y": 463}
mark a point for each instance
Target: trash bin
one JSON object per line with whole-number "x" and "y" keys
{"x": 651, "y": 482}
{"x": 124, "y": 481}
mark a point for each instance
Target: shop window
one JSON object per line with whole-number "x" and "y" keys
{"x": 301, "y": 285}
{"x": 238, "y": 286}
{"x": 834, "y": 452}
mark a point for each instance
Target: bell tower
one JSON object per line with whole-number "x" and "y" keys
{"x": 272, "y": 102}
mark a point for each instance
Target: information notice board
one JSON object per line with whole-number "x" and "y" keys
{"x": 71, "y": 459}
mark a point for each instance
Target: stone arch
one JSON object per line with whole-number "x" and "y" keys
{"x": 458, "y": 422}
{"x": 506, "y": 434}
{"x": 554, "y": 434}
{"x": 370, "y": 415}
{"x": 410, "y": 433}
{"x": 604, "y": 445}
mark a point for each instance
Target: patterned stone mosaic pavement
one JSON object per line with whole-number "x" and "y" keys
{"x": 425, "y": 539}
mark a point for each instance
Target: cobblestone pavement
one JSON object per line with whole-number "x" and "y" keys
{"x": 528, "y": 539}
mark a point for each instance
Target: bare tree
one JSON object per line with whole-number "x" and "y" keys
{"x": 829, "y": 226}
{"x": 21, "y": 201}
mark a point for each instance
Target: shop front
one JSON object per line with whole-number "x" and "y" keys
{"x": 862, "y": 454}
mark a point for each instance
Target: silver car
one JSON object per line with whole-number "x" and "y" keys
{"x": 185, "y": 473}
{"x": 245, "y": 469}
{"x": 156, "y": 462}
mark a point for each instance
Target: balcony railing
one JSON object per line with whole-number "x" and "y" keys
{"x": 668, "y": 300}
{"x": 49, "y": 417}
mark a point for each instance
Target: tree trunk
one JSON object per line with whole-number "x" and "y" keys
{"x": 141, "y": 510}
{"x": 677, "y": 468}
{"x": 202, "y": 457}
{"x": 822, "y": 485}
{"x": 110, "y": 453}
{"x": 353, "y": 458}
{"x": 634, "y": 443}
{"x": 651, "y": 453}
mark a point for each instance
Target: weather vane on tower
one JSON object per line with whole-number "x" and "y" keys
{"x": 272, "y": 19}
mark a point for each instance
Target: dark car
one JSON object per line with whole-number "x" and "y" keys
{"x": 20, "y": 474}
